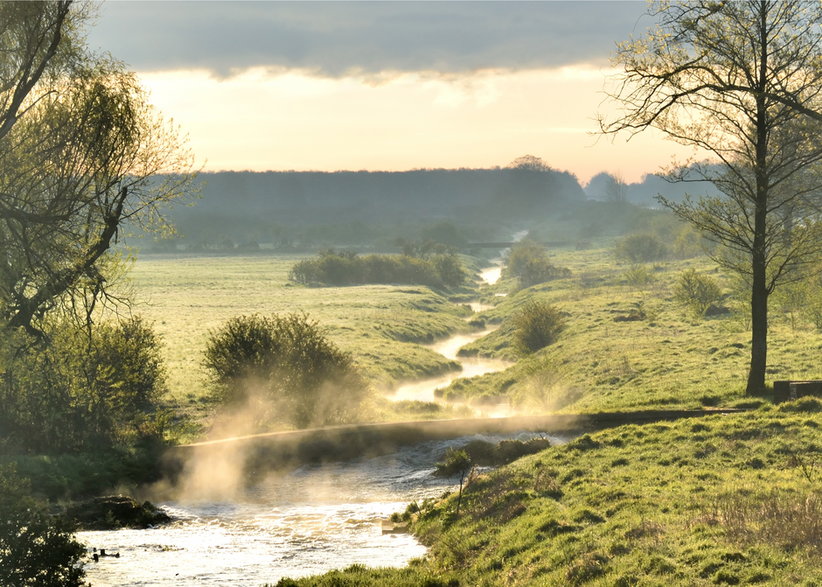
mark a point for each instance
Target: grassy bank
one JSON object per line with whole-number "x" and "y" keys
{"x": 629, "y": 344}
{"x": 731, "y": 500}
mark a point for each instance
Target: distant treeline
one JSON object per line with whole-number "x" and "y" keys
{"x": 304, "y": 211}
{"x": 345, "y": 268}
{"x": 352, "y": 207}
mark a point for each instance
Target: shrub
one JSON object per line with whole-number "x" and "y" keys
{"x": 442, "y": 270}
{"x": 78, "y": 390}
{"x": 696, "y": 291}
{"x": 529, "y": 263}
{"x": 803, "y": 298}
{"x": 639, "y": 276}
{"x": 537, "y": 325}
{"x": 124, "y": 377}
{"x": 641, "y": 248}
{"x": 287, "y": 361}
{"x": 458, "y": 463}
{"x": 35, "y": 547}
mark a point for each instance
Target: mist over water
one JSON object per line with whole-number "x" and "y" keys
{"x": 307, "y": 521}
{"x": 425, "y": 390}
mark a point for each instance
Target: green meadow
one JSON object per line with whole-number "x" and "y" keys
{"x": 385, "y": 327}
{"x": 722, "y": 500}
{"x": 627, "y": 343}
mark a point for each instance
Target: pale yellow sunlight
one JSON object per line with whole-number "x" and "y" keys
{"x": 265, "y": 119}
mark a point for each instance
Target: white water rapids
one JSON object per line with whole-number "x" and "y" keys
{"x": 309, "y": 521}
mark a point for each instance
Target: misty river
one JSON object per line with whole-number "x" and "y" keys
{"x": 311, "y": 520}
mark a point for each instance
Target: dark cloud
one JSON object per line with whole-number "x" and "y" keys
{"x": 335, "y": 38}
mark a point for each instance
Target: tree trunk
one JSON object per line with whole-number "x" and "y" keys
{"x": 759, "y": 261}
{"x": 759, "y": 328}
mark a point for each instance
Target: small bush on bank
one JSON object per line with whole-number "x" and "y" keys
{"x": 639, "y": 276}
{"x": 345, "y": 268}
{"x": 696, "y": 291}
{"x": 529, "y": 264}
{"x": 537, "y": 325}
{"x": 641, "y": 248}
{"x": 288, "y": 363}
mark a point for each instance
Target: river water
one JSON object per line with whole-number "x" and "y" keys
{"x": 309, "y": 521}
{"x": 305, "y": 522}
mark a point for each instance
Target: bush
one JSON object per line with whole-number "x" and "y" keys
{"x": 81, "y": 391}
{"x": 641, "y": 248}
{"x": 803, "y": 298}
{"x": 529, "y": 263}
{"x": 697, "y": 292}
{"x": 344, "y": 268}
{"x": 639, "y": 276}
{"x": 456, "y": 463}
{"x": 288, "y": 362}
{"x": 537, "y": 325}
{"x": 35, "y": 548}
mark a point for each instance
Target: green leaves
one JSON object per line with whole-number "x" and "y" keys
{"x": 537, "y": 325}
{"x": 287, "y": 363}
{"x": 36, "y": 549}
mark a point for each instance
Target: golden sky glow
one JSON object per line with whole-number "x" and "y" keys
{"x": 282, "y": 119}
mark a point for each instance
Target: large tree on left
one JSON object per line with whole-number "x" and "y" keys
{"x": 81, "y": 153}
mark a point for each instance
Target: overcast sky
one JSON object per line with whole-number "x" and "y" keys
{"x": 382, "y": 85}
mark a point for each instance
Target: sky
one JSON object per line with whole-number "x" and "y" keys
{"x": 385, "y": 85}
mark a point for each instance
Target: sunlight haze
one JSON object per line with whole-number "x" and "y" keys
{"x": 385, "y": 86}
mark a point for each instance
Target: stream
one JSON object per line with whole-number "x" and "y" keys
{"x": 307, "y": 521}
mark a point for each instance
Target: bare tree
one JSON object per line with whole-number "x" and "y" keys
{"x": 742, "y": 82}
{"x": 529, "y": 163}
{"x": 616, "y": 190}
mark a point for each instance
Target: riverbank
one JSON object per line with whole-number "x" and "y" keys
{"x": 726, "y": 499}
{"x": 287, "y": 450}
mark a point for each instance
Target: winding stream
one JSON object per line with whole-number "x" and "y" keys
{"x": 308, "y": 521}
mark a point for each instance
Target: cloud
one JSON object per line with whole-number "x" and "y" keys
{"x": 339, "y": 38}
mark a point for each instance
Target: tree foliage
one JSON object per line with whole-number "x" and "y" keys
{"x": 529, "y": 263}
{"x": 289, "y": 361}
{"x": 641, "y": 248}
{"x": 80, "y": 150}
{"x": 75, "y": 391}
{"x": 36, "y": 549}
{"x": 741, "y": 82}
{"x": 439, "y": 270}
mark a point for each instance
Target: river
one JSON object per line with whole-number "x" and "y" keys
{"x": 308, "y": 521}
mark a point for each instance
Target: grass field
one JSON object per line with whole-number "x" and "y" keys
{"x": 723, "y": 500}
{"x": 663, "y": 357}
{"x": 383, "y": 326}
{"x": 633, "y": 346}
